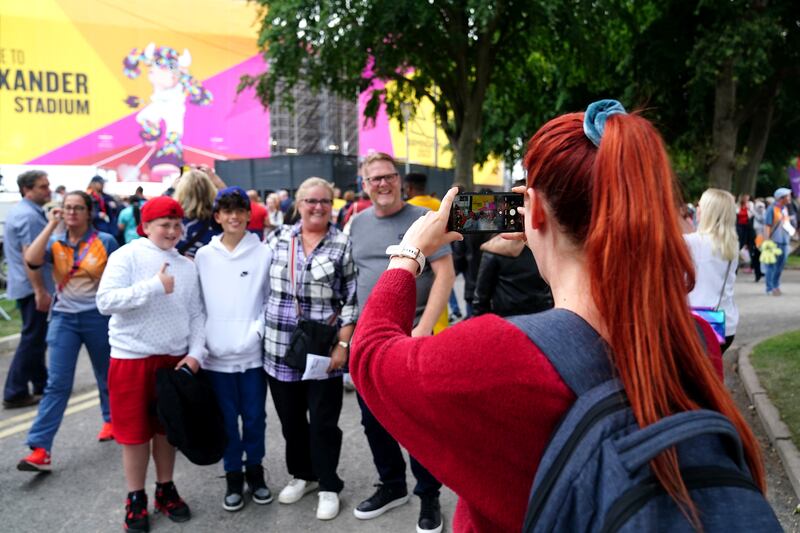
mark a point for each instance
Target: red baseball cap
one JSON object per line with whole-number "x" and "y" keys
{"x": 159, "y": 207}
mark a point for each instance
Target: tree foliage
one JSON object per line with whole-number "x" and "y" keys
{"x": 718, "y": 77}
{"x": 447, "y": 51}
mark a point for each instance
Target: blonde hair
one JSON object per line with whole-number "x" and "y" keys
{"x": 376, "y": 156}
{"x": 196, "y": 193}
{"x": 310, "y": 183}
{"x": 717, "y": 213}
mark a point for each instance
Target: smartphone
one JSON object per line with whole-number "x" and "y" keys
{"x": 486, "y": 213}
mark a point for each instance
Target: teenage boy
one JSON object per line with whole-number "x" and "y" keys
{"x": 153, "y": 296}
{"x": 371, "y": 232}
{"x": 233, "y": 277}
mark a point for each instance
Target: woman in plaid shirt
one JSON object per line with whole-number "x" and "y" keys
{"x": 325, "y": 291}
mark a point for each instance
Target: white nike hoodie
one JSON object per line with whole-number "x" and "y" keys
{"x": 234, "y": 286}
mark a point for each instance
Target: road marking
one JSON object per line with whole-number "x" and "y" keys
{"x": 24, "y": 421}
{"x": 32, "y": 414}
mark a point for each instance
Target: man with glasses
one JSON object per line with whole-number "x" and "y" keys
{"x": 371, "y": 231}
{"x": 32, "y": 289}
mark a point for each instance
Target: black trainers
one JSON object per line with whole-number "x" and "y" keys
{"x": 170, "y": 503}
{"x": 255, "y": 482}
{"x": 384, "y": 499}
{"x": 430, "y": 515}
{"x": 233, "y": 500}
{"x": 136, "y": 519}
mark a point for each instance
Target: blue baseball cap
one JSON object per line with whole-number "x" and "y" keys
{"x": 228, "y": 191}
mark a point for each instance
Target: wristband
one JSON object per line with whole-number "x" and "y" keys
{"x": 403, "y": 250}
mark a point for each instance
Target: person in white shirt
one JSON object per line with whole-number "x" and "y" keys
{"x": 233, "y": 277}
{"x": 153, "y": 296}
{"x": 714, "y": 248}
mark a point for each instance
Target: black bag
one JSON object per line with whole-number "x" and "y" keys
{"x": 309, "y": 337}
{"x": 188, "y": 409}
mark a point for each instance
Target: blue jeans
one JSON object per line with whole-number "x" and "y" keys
{"x": 65, "y": 334}
{"x": 772, "y": 273}
{"x": 242, "y": 394}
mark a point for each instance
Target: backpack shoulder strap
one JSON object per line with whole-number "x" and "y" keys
{"x": 576, "y": 350}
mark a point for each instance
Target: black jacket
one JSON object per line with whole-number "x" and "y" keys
{"x": 509, "y": 284}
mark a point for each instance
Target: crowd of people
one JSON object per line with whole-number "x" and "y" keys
{"x": 271, "y": 296}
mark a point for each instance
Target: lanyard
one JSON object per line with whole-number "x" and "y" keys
{"x": 77, "y": 263}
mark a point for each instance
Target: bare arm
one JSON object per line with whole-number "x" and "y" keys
{"x": 34, "y": 254}
{"x": 444, "y": 276}
{"x": 40, "y": 293}
{"x": 339, "y": 354}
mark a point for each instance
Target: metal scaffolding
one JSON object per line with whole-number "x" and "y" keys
{"x": 316, "y": 123}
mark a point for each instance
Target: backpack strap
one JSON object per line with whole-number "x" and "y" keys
{"x": 575, "y": 349}
{"x": 640, "y": 447}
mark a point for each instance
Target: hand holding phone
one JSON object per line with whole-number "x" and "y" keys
{"x": 486, "y": 213}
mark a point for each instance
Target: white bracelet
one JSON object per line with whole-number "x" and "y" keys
{"x": 403, "y": 250}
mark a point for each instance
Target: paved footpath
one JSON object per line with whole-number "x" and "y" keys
{"x": 765, "y": 316}
{"x": 85, "y": 492}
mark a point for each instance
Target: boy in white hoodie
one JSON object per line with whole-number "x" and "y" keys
{"x": 233, "y": 276}
{"x": 153, "y": 296}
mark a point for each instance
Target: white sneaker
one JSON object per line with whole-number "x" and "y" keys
{"x": 296, "y": 489}
{"x": 328, "y": 506}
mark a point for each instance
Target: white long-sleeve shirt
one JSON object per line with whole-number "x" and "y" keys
{"x": 710, "y": 270}
{"x": 234, "y": 287}
{"x": 144, "y": 319}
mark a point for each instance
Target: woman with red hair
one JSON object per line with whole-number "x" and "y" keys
{"x": 478, "y": 403}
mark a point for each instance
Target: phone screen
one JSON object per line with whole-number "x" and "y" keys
{"x": 486, "y": 213}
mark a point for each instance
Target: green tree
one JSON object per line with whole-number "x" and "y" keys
{"x": 447, "y": 51}
{"x": 718, "y": 77}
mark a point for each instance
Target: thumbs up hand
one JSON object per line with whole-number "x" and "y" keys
{"x": 167, "y": 280}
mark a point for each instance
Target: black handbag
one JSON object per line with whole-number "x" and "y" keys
{"x": 309, "y": 336}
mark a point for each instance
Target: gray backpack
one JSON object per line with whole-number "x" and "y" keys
{"x": 595, "y": 473}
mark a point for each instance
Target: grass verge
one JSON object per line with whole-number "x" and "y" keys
{"x": 793, "y": 261}
{"x": 777, "y": 363}
{"x": 10, "y": 327}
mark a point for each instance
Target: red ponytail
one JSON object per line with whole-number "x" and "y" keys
{"x": 618, "y": 201}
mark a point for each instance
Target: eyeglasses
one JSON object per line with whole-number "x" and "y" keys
{"x": 75, "y": 208}
{"x": 388, "y": 178}
{"x": 314, "y": 202}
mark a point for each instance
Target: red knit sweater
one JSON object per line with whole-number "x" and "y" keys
{"x": 475, "y": 404}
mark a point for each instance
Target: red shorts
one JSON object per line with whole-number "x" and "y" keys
{"x": 132, "y": 397}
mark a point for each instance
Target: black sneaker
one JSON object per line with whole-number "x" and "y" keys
{"x": 170, "y": 503}
{"x": 22, "y": 401}
{"x": 384, "y": 499}
{"x": 136, "y": 519}
{"x": 255, "y": 482}
{"x": 430, "y": 515}
{"x": 233, "y": 500}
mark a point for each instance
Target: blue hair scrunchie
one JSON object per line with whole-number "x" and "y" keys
{"x": 594, "y": 119}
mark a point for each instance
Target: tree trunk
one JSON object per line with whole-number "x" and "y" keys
{"x": 723, "y": 164}
{"x": 464, "y": 152}
{"x": 756, "y": 144}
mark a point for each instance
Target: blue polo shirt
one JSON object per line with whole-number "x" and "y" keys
{"x": 23, "y": 224}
